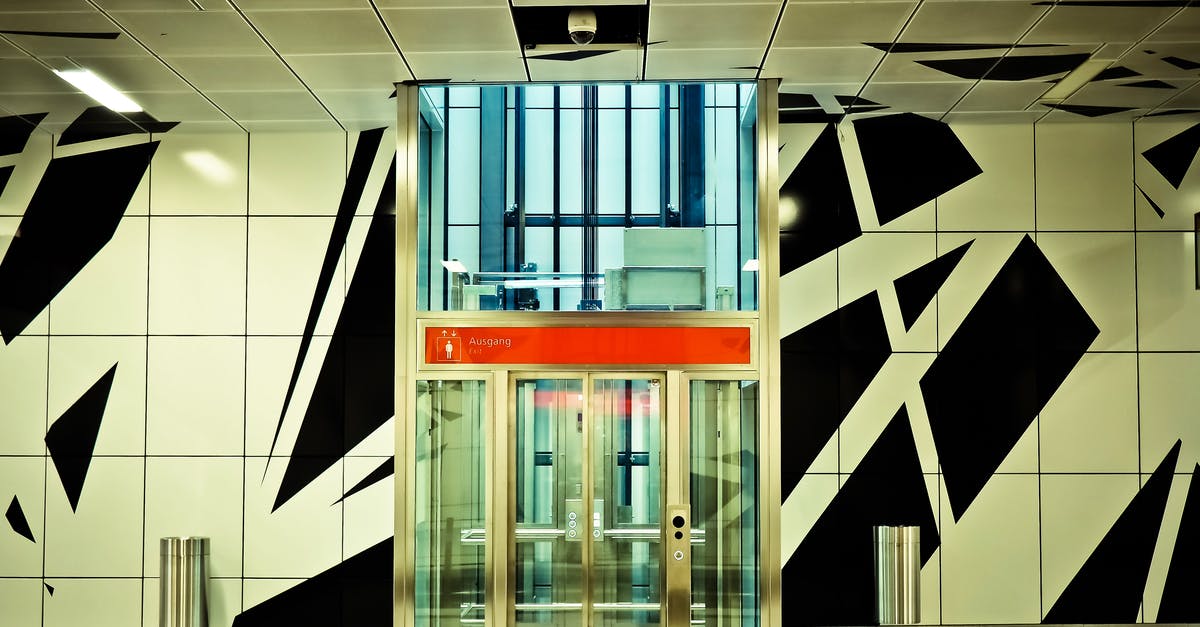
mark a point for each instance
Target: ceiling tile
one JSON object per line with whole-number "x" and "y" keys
{"x": 143, "y": 73}
{"x": 1187, "y": 99}
{"x": 1066, "y": 24}
{"x": 440, "y": 4}
{"x": 9, "y": 52}
{"x": 1112, "y": 94}
{"x": 359, "y": 71}
{"x": 44, "y": 5}
{"x": 82, "y": 22}
{"x": 452, "y": 30}
{"x": 292, "y": 126}
{"x": 287, "y": 5}
{"x": 178, "y": 107}
{"x": 619, "y": 65}
{"x": 971, "y": 22}
{"x": 821, "y": 65}
{"x": 1184, "y": 27}
{"x": 806, "y": 24}
{"x": 193, "y": 33}
{"x": 162, "y": 5}
{"x": 235, "y": 73}
{"x": 367, "y": 105}
{"x": 1002, "y": 96}
{"x": 269, "y": 105}
{"x": 712, "y": 26}
{"x": 916, "y": 97}
{"x": 992, "y": 117}
{"x": 468, "y": 66}
{"x": 903, "y": 67}
{"x": 323, "y": 32}
{"x": 26, "y": 76}
{"x": 1166, "y": 60}
{"x": 663, "y": 64}
{"x": 62, "y": 109}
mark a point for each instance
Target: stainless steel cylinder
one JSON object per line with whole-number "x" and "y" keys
{"x": 897, "y": 575}
{"x": 183, "y": 582}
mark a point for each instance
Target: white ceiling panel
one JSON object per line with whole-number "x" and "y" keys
{"x": 361, "y": 106}
{"x": 143, "y": 73}
{"x": 1113, "y": 94}
{"x": 44, "y": 5}
{"x": 821, "y": 65}
{"x": 235, "y": 73}
{"x": 1184, "y": 27}
{"x": 712, "y": 25}
{"x": 292, "y": 126}
{"x": 467, "y": 66}
{"x": 619, "y": 65}
{"x": 1085, "y": 24}
{"x": 1189, "y": 99}
{"x": 902, "y": 68}
{"x": 1002, "y": 96}
{"x": 171, "y": 107}
{"x": 663, "y": 64}
{"x": 194, "y": 33}
{"x": 971, "y": 22}
{"x": 916, "y": 97}
{"x": 199, "y": 127}
{"x": 440, "y": 4}
{"x": 9, "y": 52}
{"x": 808, "y": 24}
{"x": 84, "y": 22}
{"x": 359, "y": 71}
{"x": 62, "y": 108}
{"x": 288, "y": 5}
{"x": 452, "y": 30}
{"x": 350, "y": 31}
{"x": 162, "y": 5}
{"x": 269, "y": 105}
{"x": 1168, "y": 60}
{"x": 26, "y": 76}
{"x": 992, "y": 117}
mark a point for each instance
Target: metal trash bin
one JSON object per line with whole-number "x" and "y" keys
{"x": 183, "y": 582}
{"x": 897, "y": 575}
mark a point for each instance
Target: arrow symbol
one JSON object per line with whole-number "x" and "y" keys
{"x": 454, "y": 333}
{"x": 443, "y": 333}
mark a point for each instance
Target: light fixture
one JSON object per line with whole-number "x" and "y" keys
{"x": 751, "y": 265}
{"x": 1071, "y": 83}
{"x": 99, "y": 90}
{"x": 454, "y": 265}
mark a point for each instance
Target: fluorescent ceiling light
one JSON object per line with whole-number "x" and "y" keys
{"x": 454, "y": 265}
{"x": 1078, "y": 77}
{"x": 99, "y": 90}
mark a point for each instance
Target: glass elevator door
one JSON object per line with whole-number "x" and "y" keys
{"x": 587, "y": 499}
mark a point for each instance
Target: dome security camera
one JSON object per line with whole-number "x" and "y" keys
{"x": 581, "y": 24}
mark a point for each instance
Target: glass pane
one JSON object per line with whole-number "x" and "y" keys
{"x": 724, "y": 488}
{"x": 570, "y": 158}
{"x": 462, "y": 171}
{"x": 548, "y": 588}
{"x": 539, "y": 161}
{"x": 450, "y": 543}
{"x": 610, "y": 161}
{"x": 646, "y": 172}
{"x": 627, "y": 497}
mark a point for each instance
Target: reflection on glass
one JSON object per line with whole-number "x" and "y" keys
{"x": 724, "y": 488}
{"x": 450, "y": 542}
{"x": 549, "y": 501}
{"x": 626, "y": 471}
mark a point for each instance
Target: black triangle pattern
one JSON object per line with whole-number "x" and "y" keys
{"x": 1153, "y": 205}
{"x": 820, "y": 190}
{"x": 49, "y": 588}
{"x": 1179, "y": 601}
{"x": 1173, "y": 157}
{"x": 5, "y": 174}
{"x": 829, "y": 580}
{"x": 72, "y": 438}
{"x": 15, "y": 131}
{"x": 1108, "y": 587}
{"x": 916, "y": 289}
{"x": 102, "y": 123}
{"x": 386, "y": 469}
{"x": 17, "y": 521}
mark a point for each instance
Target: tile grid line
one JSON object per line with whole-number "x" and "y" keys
{"x": 1040, "y": 511}
{"x": 1137, "y": 343}
{"x": 245, "y": 382}
{"x": 46, "y": 456}
{"x": 146, "y": 393}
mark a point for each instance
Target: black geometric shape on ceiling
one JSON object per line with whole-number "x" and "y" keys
{"x": 908, "y": 47}
{"x": 360, "y": 168}
{"x": 1091, "y": 111}
{"x": 102, "y": 123}
{"x": 5, "y": 174}
{"x": 76, "y": 209}
{"x": 1007, "y": 358}
{"x": 866, "y": 109}
{"x": 392, "y": 95}
{"x": 353, "y": 395}
{"x": 1109, "y": 586}
{"x": 824, "y": 216}
{"x": 745, "y": 67}
{"x": 809, "y": 116}
{"x": 386, "y": 469}
{"x": 49, "y": 588}
{"x": 826, "y": 366}
{"x": 1179, "y": 603}
{"x": 1172, "y": 112}
{"x": 829, "y": 580}
{"x": 356, "y": 592}
{"x": 15, "y": 131}
{"x": 61, "y": 34}
{"x": 1116, "y": 72}
{"x": 1150, "y": 84}
{"x": 1018, "y": 68}
{"x": 855, "y": 101}
{"x": 16, "y": 520}
{"x": 916, "y": 289}
{"x": 616, "y": 24}
{"x": 1172, "y": 157}
{"x": 1153, "y": 205}
{"x": 1182, "y": 64}
{"x": 72, "y": 438}
{"x": 910, "y": 160}
{"x": 798, "y": 101}
{"x": 572, "y": 55}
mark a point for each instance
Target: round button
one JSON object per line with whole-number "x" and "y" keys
{"x": 678, "y": 535}
{"x": 572, "y": 516}
{"x": 595, "y": 533}
{"x": 571, "y": 533}
{"x": 678, "y": 522}
{"x": 678, "y": 556}
{"x": 572, "y": 524}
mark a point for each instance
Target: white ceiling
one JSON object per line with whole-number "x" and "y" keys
{"x": 276, "y": 64}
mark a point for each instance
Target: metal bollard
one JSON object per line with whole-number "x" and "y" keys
{"x": 897, "y": 575}
{"x": 183, "y": 582}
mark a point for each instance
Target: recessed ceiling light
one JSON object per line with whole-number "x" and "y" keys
{"x": 1078, "y": 77}
{"x": 99, "y": 90}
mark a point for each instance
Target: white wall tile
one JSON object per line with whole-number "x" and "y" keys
{"x": 1168, "y": 301}
{"x": 1098, "y": 268}
{"x": 77, "y": 363}
{"x": 224, "y": 601}
{"x": 260, "y": 590}
{"x": 23, "y": 388}
{"x": 369, "y": 513}
{"x": 94, "y": 602}
{"x": 270, "y": 361}
{"x": 195, "y": 496}
{"x": 196, "y": 396}
{"x": 103, "y": 538}
{"x": 294, "y": 174}
{"x": 199, "y": 175}
{"x": 108, "y": 296}
{"x": 1002, "y": 197}
{"x": 990, "y": 556}
{"x": 285, "y": 262}
{"x": 1178, "y": 205}
{"x": 198, "y": 276}
{"x": 304, "y": 536}
{"x": 872, "y": 263}
{"x": 974, "y": 273}
{"x": 21, "y": 601}
{"x": 8, "y": 227}
{"x": 1168, "y": 534}
{"x": 30, "y": 165}
{"x": 22, "y": 478}
{"x": 1083, "y": 175}
{"x": 1170, "y": 398}
{"x": 1085, "y": 431}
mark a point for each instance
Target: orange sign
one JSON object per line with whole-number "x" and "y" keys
{"x": 587, "y": 345}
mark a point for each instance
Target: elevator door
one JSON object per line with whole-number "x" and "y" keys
{"x": 587, "y": 499}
